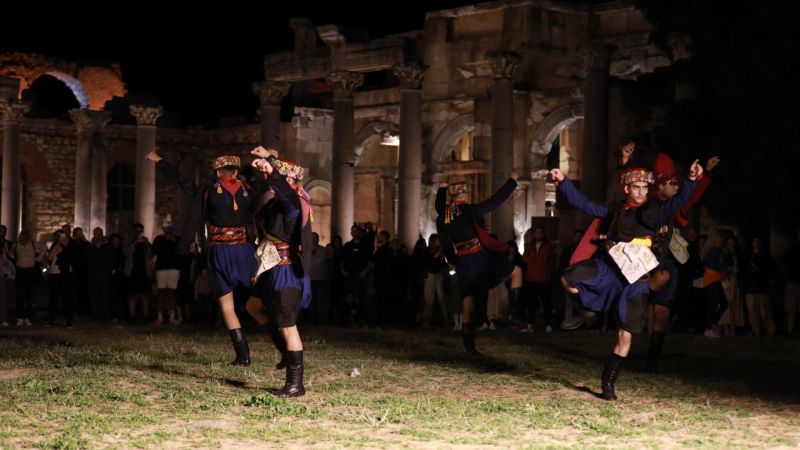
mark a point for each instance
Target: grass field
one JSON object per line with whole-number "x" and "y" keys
{"x": 147, "y": 387}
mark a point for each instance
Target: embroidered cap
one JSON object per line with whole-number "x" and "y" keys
{"x": 226, "y": 161}
{"x": 289, "y": 169}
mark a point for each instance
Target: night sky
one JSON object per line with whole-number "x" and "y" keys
{"x": 200, "y": 62}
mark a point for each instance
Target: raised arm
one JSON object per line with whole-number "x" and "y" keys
{"x": 170, "y": 172}
{"x": 674, "y": 204}
{"x": 441, "y": 199}
{"x": 284, "y": 193}
{"x": 574, "y": 196}
{"x": 702, "y": 186}
{"x": 498, "y": 198}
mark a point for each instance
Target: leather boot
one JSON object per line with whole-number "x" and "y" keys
{"x": 610, "y": 375}
{"x": 240, "y": 347}
{"x": 468, "y": 336}
{"x": 279, "y": 343}
{"x": 294, "y": 376}
{"x": 656, "y": 342}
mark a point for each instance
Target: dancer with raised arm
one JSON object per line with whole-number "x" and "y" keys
{"x": 617, "y": 275}
{"x": 226, "y": 206}
{"x": 481, "y": 261}
{"x": 283, "y": 283}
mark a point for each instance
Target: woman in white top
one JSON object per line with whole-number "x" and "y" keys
{"x": 27, "y": 258}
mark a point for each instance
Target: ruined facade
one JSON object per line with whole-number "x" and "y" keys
{"x": 480, "y": 92}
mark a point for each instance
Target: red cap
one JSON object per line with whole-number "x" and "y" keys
{"x": 664, "y": 168}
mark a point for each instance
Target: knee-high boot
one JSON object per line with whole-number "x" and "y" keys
{"x": 610, "y": 375}
{"x": 468, "y": 336}
{"x": 240, "y": 347}
{"x": 279, "y": 343}
{"x": 294, "y": 376}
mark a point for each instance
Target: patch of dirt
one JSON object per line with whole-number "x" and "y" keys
{"x": 6, "y": 374}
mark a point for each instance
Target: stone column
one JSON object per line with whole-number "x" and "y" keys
{"x": 271, "y": 94}
{"x": 12, "y": 169}
{"x": 595, "y": 122}
{"x": 410, "y": 176}
{"x": 145, "y": 203}
{"x": 503, "y": 65}
{"x": 99, "y": 171}
{"x": 87, "y": 167}
{"x": 344, "y": 85}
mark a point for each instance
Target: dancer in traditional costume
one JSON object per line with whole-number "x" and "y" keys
{"x": 481, "y": 261}
{"x": 283, "y": 285}
{"x": 616, "y": 277}
{"x": 226, "y": 206}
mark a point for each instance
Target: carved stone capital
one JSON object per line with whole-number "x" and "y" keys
{"x": 9, "y": 88}
{"x": 12, "y": 112}
{"x": 331, "y": 35}
{"x": 87, "y": 120}
{"x": 344, "y": 83}
{"x": 410, "y": 75}
{"x": 271, "y": 92}
{"x": 146, "y": 115}
{"x": 597, "y": 55}
{"x": 504, "y": 63}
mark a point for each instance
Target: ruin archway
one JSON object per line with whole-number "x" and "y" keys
{"x": 320, "y": 193}
{"x": 92, "y": 85}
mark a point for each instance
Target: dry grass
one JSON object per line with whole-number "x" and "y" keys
{"x": 146, "y": 387}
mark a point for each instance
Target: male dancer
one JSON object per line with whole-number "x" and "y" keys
{"x": 226, "y": 206}
{"x": 666, "y": 183}
{"x": 597, "y": 281}
{"x": 481, "y": 261}
{"x": 284, "y": 288}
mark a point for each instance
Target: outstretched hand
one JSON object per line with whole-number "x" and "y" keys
{"x": 153, "y": 156}
{"x": 262, "y": 152}
{"x": 557, "y": 175}
{"x": 696, "y": 170}
{"x": 711, "y": 163}
{"x": 514, "y": 175}
{"x": 627, "y": 152}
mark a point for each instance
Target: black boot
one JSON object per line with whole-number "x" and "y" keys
{"x": 468, "y": 335}
{"x": 240, "y": 347}
{"x": 610, "y": 375}
{"x": 656, "y": 342}
{"x": 294, "y": 376}
{"x": 280, "y": 344}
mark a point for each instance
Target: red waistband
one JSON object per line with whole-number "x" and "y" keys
{"x": 226, "y": 235}
{"x": 468, "y": 247}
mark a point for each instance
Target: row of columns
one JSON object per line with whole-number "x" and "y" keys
{"x": 90, "y": 168}
{"x": 91, "y": 164}
{"x": 344, "y": 85}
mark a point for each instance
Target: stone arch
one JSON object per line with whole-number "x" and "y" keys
{"x": 448, "y": 137}
{"x": 320, "y": 190}
{"x": 556, "y": 121}
{"x": 368, "y": 135}
{"x": 73, "y": 84}
{"x": 92, "y": 85}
